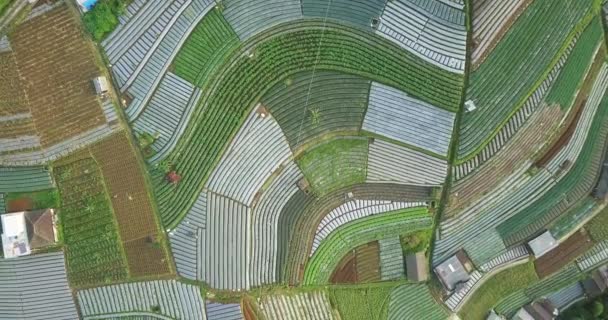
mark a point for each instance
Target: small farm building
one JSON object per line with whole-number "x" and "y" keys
{"x": 416, "y": 267}
{"x": 26, "y": 231}
{"x": 542, "y": 244}
{"x": 454, "y": 270}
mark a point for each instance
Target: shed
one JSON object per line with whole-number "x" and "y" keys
{"x": 542, "y": 244}
{"x": 416, "y": 267}
{"x": 597, "y": 283}
{"x": 101, "y": 85}
{"x": 538, "y": 310}
{"x": 454, "y": 270}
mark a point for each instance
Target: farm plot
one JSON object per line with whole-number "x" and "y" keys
{"x": 293, "y": 305}
{"x": 414, "y": 301}
{"x": 206, "y": 49}
{"x": 576, "y": 184}
{"x": 132, "y": 205}
{"x": 249, "y": 18}
{"x": 491, "y": 20}
{"x": 500, "y": 285}
{"x": 347, "y": 236}
{"x": 241, "y": 84}
{"x": 361, "y": 265}
{"x": 92, "y": 242}
{"x": 25, "y": 179}
{"x": 566, "y": 252}
{"x": 357, "y": 302}
{"x": 573, "y": 73}
{"x": 534, "y": 44}
{"x": 12, "y": 96}
{"x": 309, "y": 105}
{"x": 335, "y": 164}
{"x": 356, "y": 13}
{"x": 303, "y": 214}
{"x": 56, "y": 65}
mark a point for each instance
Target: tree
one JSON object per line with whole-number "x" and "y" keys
{"x": 597, "y": 309}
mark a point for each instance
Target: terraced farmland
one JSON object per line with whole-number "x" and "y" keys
{"x": 517, "y": 65}
{"x": 93, "y": 246}
{"x": 303, "y": 159}
{"x": 247, "y": 78}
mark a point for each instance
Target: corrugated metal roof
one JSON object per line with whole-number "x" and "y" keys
{"x": 35, "y": 287}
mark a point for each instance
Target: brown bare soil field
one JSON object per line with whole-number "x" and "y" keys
{"x": 21, "y": 204}
{"x": 346, "y": 272}
{"x": 56, "y": 65}
{"x": 145, "y": 257}
{"x": 12, "y": 96}
{"x": 248, "y": 309}
{"x": 565, "y": 253}
{"x": 17, "y": 128}
{"x": 522, "y": 147}
{"x": 368, "y": 262}
{"x": 132, "y": 205}
{"x": 563, "y": 139}
{"x": 359, "y": 266}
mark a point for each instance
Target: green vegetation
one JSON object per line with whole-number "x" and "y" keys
{"x": 245, "y": 78}
{"x": 596, "y": 309}
{"x": 93, "y": 249}
{"x": 38, "y": 200}
{"x": 365, "y": 302}
{"x": 414, "y": 301}
{"x": 358, "y": 232}
{"x": 573, "y": 73}
{"x": 598, "y": 226}
{"x": 416, "y": 242}
{"x": 575, "y": 185}
{"x": 497, "y": 287}
{"x": 571, "y": 219}
{"x": 103, "y": 18}
{"x": 4, "y": 5}
{"x": 314, "y": 104}
{"x": 335, "y": 164}
{"x": 206, "y": 49}
{"x": 518, "y": 65}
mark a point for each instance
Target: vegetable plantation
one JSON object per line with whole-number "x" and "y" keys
{"x": 334, "y": 164}
{"x": 206, "y": 49}
{"x": 93, "y": 247}
{"x": 347, "y": 236}
{"x": 248, "y": 76}
{"x": 518, "y": 65}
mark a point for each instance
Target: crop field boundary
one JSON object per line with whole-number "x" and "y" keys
{"x": 579, "y": 28}
{"x": 232, "y": 60}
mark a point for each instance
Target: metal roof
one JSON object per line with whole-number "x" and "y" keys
{"x": 542, "y": 244}
{"x": 35, "y": 287}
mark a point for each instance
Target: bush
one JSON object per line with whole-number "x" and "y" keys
{"x": 416, "y": 242}
{"x": 103, "y": 18}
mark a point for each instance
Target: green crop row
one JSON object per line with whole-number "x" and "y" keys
{"x": 497, "y": 287}
{"x": 311, "y": 104}
{"x": 519, "y": 64}
{"x": 355, "y": 233}
{"x": 581, "y": 171}
{"x": 246, "y": 77}
{"x": 368, "y": 303}
{"x": 206, "y": 49}
{"x": 92, "y": 245}
{"x": 573, "y": 73}
{"x": 414, "y": 301}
